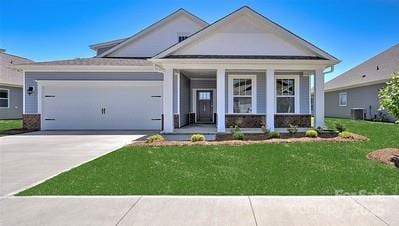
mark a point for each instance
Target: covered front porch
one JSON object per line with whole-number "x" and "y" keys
{"x": 212, "y": 98}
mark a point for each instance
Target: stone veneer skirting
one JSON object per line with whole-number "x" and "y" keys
{"x": 300, "y": 120}
{"x": 245, "y": 121}
{"x": 31, "y": 121}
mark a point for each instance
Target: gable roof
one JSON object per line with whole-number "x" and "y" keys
{"x": 244, "y": 9}
{"x": 152, "y": 27}
{"x": 375, "y": 70}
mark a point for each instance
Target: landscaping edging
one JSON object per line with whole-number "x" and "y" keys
{"x": 384, "y": 156}
{"x": 356, "y": 138}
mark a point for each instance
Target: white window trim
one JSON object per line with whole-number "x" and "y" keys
{"x": 8, "y": 98}
{"x": 296, "y": 96}
{"x": 230, "y": 93}
{"x": 339, "y": 99}
{"x": 194, "y": 100}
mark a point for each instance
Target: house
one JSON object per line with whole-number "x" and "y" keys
{"x": 241, "y": 70}
{"x": 359, "y": 87}
{"x": 10, "y": 86}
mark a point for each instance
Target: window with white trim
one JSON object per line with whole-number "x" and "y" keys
{"x": 242, "y": 95}
{"x": 4, "y": 98}
{"x": 343, "y": 99}
{"x": 286, "y": 95}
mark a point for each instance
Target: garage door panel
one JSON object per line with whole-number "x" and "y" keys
{"x": 81, "y": 107}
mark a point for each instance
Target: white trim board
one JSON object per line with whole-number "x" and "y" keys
{"x": 297, "y": 91}
{"x": 8, "y": 98}
{"x": 231, "y": 77}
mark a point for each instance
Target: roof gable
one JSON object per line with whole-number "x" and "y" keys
{"x": 147, "y": 42}
{"x": 250, "y": 34}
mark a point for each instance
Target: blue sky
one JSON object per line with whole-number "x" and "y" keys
{"x": 42, "y": 30}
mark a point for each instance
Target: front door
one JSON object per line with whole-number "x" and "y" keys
{"x": 204, "y": 106}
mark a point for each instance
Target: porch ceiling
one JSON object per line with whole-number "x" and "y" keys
{"x": 199, "y": 73}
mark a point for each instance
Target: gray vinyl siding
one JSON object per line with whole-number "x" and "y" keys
{"x": 260, "y": 90}
{"x": 14, "y": 111}
{"x": 184, "y": 99}
{"x": 362, "y": 97}
{"x": 304, "y": 94}
{"x": 31, "y": 77}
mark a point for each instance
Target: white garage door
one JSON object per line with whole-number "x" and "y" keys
{"x": 102, "y": 106}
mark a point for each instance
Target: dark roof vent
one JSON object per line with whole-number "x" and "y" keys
{"x": 363, "y": 76}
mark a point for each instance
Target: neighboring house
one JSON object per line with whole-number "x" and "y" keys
{"x": 11, "y": 86}
{"x": 240, "y": 70}
{"x": 359, "y": 87}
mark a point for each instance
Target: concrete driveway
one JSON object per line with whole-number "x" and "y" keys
{"x": 28, "y": 159}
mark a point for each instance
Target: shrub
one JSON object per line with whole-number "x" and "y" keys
{"x": 238, "y": 136}
{"x": 265, "y": 130}
{"x": 389, "y": 96}
{"x": 197, "y": 137}
{"x": 339, "y": 127}
{"x": 155, "y": 138}
{"x": 345, "y": 135}
{"x": 236, "y": 133}
{"x": 311, "y": 133}
{"x": 292, "y": 129}
{"x": 274, "y": 134}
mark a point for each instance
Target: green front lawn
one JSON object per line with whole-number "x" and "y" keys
{"x": 259, "y": 169}
{"x": 6, "y": 125}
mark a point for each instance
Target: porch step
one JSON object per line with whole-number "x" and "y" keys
{"x": 185, "y": 137}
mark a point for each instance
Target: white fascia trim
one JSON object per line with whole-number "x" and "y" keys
{"x": 60, "y": 68}
{"x": 230, "y": 92}
{"x": 96, "y": 83}
{"x": 356, "y": 86}
{"x": 11, "y": 85}
{"x": 297, "y": 92}
{"x": 151, "y": 28}
{"x": 265, "y": 63}
{"x": 105, "y": 44}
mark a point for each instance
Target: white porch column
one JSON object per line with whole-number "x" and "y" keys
{"x": 270, "y": 99}
{"x": 168, "y": 100}
{"x": 221, "y": 99}
{"x": 319, "y": 98}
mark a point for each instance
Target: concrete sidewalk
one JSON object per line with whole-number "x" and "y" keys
{"x": 200, "y": 210}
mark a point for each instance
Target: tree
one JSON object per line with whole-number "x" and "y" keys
{"x": 389, "y": 96}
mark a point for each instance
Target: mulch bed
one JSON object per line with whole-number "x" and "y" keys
{"x": 355, "y": 138}
{"x": 384, "y": 156}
